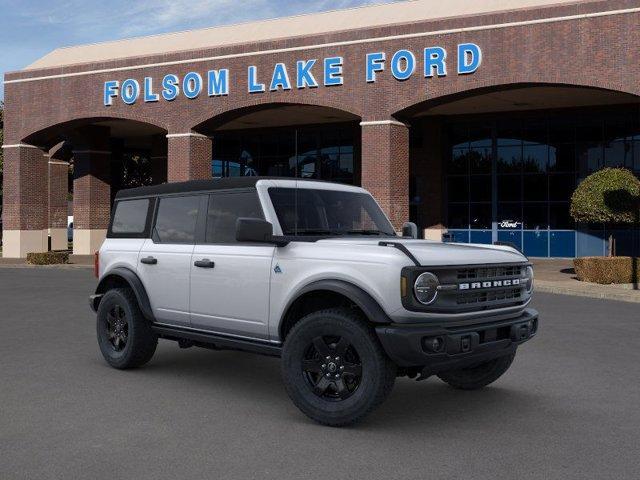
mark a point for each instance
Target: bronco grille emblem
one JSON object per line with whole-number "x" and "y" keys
{"x": 489, "y": 284}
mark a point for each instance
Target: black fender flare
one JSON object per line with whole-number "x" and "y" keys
{"x": 134, "y": 282}
{"x": 369, "y": 306}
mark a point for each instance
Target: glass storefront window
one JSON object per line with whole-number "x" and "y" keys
{"x": 325, "y": 152}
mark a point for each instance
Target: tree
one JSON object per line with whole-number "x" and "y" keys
{"x": 608, "y": 196}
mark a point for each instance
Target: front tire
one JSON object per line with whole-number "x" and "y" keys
{"x": 478, "y": 376}
{"x": 334, "y": 368}
{"x": 124, "y": 335}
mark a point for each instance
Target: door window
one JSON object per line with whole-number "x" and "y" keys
{"x": 224, "y": 209}
{"x": 176, "y": 220}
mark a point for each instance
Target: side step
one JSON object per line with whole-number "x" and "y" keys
{"x": 218, "y": 341}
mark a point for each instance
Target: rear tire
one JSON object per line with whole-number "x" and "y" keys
{"x": 124, "y": 335}
{"x": 478, "y": 376}
{"x": 334, "y": 368}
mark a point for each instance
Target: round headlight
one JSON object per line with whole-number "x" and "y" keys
{"x": 426, "y": 288}
{"x": 529, "y": 279}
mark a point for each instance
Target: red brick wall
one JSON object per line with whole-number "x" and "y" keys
{"x": 189, "y": 158}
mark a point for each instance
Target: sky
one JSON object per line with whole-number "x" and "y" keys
{"x": 30, "y": 29}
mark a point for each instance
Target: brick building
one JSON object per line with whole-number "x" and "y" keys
{"x": 472, "y": 118}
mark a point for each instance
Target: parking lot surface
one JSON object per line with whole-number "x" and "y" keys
{"x": 568, "y": 407}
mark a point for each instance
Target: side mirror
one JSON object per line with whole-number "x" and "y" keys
{"x": 256, "y": 230}
{"x": 409, "y": 230}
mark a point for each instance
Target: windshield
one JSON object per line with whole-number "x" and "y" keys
{"x": 306, "y": 211}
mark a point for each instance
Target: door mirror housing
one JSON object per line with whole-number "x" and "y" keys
{"x": 256, "y": 230}
{"x": 409, "y": 230}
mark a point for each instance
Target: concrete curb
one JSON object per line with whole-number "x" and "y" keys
{"x": 605, "y": 292}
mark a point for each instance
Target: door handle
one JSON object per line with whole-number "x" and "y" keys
{"x": 149, "y": 261}
{"x": 205, "y": 263}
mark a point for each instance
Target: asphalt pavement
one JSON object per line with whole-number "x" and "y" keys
{"x": 567, "y": 408}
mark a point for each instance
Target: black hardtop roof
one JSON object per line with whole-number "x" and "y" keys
{"x": 228, "y": 183}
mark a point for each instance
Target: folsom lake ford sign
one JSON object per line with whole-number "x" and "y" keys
{"x": 308, "y": 73}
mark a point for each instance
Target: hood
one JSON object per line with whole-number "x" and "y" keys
{"x": 431, "y": 253}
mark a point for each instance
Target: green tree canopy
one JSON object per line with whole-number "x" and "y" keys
{"x": 610, "y": 195}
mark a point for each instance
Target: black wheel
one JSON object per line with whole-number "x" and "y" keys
{"x": 334, "y": 368}
{"x": 478, "y": 376}
{"x": 124, "y": 335}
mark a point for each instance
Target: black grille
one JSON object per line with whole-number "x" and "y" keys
{"x": 486, "y": 273}
{"x": 500, "y": 295}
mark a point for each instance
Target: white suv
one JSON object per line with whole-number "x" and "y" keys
{"x": 312, "y": 272}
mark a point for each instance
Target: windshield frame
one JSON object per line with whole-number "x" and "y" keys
{"x": 383, "y": 227}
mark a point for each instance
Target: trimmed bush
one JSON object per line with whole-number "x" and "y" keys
{"x": 610, "y": 195}
{"x": 607, "y": 270}
{"x": 48, "y": 258}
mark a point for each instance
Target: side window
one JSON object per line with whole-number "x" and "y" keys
{"x": 225, "y": 209}
{"x": 176, "y": 220}
{"x": 130, "y": 216}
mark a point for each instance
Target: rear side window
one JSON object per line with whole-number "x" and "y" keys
{"x": 224, "y": 209}
{"x": 130, "y": 217}
{"x": 176, "y": 220}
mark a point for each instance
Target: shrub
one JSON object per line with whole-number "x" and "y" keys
{"x": 609, "y": 195}
{"x": 48, "y": 258}
{"x": 606, "y": 270}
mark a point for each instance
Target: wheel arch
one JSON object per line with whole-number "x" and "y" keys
{"x": 329, "y": 290}
{"x": 123, "y": 277}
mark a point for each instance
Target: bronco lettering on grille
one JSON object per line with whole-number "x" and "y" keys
{"x": 489, "y": 284}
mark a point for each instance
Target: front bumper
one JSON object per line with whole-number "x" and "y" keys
{"x": 459, "y": 346}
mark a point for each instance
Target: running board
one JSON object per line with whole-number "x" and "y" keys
{"x": 201, "y": 338}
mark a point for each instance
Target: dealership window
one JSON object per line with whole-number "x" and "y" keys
{"x": 510, "y": 177}
{"x": 321, "y": 152}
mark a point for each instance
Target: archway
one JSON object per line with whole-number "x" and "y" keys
{"x": 500, "y": 164}
{"x": 285, "y": 140}
{"x": 84, "y": 162}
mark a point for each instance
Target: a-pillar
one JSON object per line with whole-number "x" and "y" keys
{"x": 189, "y": 157}
{"x": 159, "y": 159}
{"x": 58, "y": 191}
{"x": 91, "y": 190}
{"x": 24, "y": 201}
{"x": 385, "y": 167}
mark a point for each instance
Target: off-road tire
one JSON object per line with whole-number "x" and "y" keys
{"x": 377, "y": 372}
{"x": 477, "y": 376}
{"x": 141, "y": 341}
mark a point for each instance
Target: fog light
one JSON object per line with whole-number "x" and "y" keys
{"x": 434, "y": 344}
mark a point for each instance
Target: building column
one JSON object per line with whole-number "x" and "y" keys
{"x": 159, "y": 159}
{"x": 24, "y": 201}
{"x": 385, "y": 167}
{"x": 189, "y": 157}
{"x": 58, "y": 190}
{"x": 91, "y": 189}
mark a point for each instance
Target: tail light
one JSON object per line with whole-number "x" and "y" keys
{"x": 96, "y": 264}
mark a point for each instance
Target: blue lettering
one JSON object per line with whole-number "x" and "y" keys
{"x": 333, "y": 71}
{"x": 218, "y": 82}
{"x": 304, "y": 77}
{"x": 375, "y": 63}
{"x": 254, "y": 86}
{"x": 434, "y": 57}
{"x": 149, "y": 96}
{"x": 170, "y": 87}
{"x": 110, "y": 92}
{"x": 280, "y": 78}
{"x": 130, "y": 91}
{"x": 192, "y": 85}
{"x": 469, "y": 58}
{"x": 403, "y": 64}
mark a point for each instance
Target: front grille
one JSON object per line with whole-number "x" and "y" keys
{"x": 487, "y": 273}
{"x": 505, "y": 294}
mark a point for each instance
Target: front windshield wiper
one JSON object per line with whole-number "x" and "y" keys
{"x": 369, "y": 232}
{"x": 317, "y": 231}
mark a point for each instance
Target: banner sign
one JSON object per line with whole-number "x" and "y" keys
{"x": 309, "y": 73}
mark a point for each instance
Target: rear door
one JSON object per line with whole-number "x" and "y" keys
{"x": 164, "y": 263}
{"x": 230, "y": 280}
